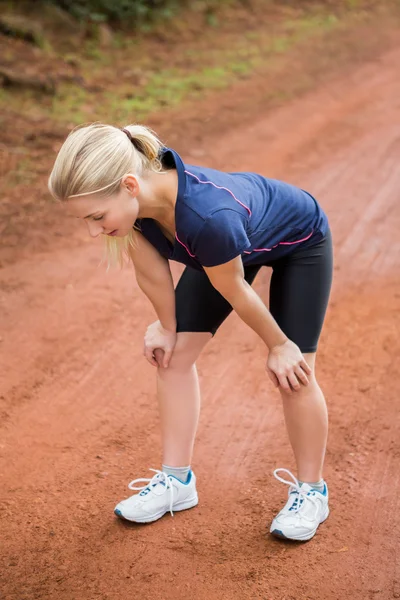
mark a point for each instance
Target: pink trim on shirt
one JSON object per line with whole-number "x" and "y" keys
{"x": 280, "y": 244}
{"x": 221, "y": 188}
{"x": 187, "y": 249}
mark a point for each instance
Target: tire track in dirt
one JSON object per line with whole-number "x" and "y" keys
{"x": 371, "y": 160}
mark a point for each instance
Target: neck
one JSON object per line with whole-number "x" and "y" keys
{"x": 157, "y": 197}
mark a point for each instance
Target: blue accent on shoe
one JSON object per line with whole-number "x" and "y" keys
{"x": 188, "y": 480}
{"x": 278, "y": 533}
{"x": 295, "y": 503}
{"x": 323, "y": 493}
{"x": 148, "y": 488}
{"x": 118, "y": 513}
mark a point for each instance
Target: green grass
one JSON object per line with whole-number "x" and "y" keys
{"x": 69, "y": 104}
{"x": 171, "y": 86}
{"x": 210, "y": 69}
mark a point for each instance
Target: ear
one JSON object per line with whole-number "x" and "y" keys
{"x": 131, "y": 184}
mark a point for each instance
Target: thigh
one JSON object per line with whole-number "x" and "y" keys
{"x": 199, "y": 306}
{"x": 299, "y": 293}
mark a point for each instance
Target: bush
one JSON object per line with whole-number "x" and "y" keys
{"x": 139, "y": 11}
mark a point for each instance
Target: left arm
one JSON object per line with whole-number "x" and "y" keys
{"x": 286, "y": 361}
{"x": 229, "y": 280}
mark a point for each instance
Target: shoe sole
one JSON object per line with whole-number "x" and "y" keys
{"x": 300, "y": 538}
{"x": 151, "y": 518}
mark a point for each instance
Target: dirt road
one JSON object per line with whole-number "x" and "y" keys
{"x": 79, "y": 420}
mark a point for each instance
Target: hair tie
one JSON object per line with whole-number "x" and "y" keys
{"x": 128, "y": 133}
{"x": 138, "y": 145}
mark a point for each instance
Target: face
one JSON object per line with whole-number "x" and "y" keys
{"x": 114, "y": 215}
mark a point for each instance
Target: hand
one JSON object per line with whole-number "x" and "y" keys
{"x": 287, "y": 367}
{"x": 161, "y": 340}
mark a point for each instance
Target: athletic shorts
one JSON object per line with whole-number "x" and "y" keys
{"x": 298, "y": 296}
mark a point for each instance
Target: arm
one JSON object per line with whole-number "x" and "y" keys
{"x": 229, "y": 280}
{"x": 154, "y": 278}
{"x": 286, "y": 364}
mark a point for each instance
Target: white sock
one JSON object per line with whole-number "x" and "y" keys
{"x": 180, "y": 473}
{"x": 317, "y": 485}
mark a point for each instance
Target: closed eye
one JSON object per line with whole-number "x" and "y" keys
{"x": 98, "y": 218}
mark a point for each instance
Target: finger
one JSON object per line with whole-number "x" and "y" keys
{"x": 294, "y": 382}
{"x": 301, "y": 376}
{"x": 167, "y": 358}
{"x": 306, "y": 367}
{"x": 150, "y": 356}
{"x": 284, "y": 383}
{"x": 159, "y": 356}
{"x": 272, "y": 377}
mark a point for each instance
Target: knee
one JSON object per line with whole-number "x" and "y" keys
{"x": 181, "y": 360}
{"x": 187, "y": 349}
{"x": 305, "y": 390}
{"x": 303, "y": 393}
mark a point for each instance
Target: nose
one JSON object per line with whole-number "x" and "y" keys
{"x": 95, "y": 229}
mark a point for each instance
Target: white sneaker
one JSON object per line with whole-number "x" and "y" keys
{"x": 162, "y": 493}
{"x": 305, "y": 509}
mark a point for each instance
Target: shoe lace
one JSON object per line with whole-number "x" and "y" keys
{"x": 159, "y": 480}
{"x": 301, "y": 495}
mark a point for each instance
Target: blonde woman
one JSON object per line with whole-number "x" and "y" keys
{"x": 224, "y": 227}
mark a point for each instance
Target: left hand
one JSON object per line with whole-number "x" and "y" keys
{"x": 287, "y": 367}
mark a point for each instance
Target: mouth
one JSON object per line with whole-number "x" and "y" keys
{"x": 114, "y": 232}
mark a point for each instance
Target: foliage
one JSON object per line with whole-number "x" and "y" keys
{"x": 139, "y": 11}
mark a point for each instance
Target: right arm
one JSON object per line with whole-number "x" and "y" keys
{"x": 154, "y": 278}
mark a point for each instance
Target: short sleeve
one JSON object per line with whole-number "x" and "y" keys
{"x": 221, "y": 238}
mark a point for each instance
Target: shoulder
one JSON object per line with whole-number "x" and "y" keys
{"x": 209, "y": 190}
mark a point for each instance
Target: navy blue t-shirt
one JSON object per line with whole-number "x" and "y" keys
{"x": 219, "y": 216}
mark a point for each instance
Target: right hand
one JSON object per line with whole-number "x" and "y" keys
{"x": 163, "y": 340}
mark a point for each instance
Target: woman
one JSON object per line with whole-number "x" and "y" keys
{"x": 224, "y": 227}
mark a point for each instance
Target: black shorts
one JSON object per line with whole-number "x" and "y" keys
{"x": 298, "y": 295}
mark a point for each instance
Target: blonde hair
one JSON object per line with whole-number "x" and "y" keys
{"x": 94, "y": 158}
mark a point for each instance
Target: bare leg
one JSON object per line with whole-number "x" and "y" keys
{"x": 306, "y": 419}
{"x": 179, "y": 399}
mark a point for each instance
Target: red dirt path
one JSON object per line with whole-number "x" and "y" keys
{"x": 79, "y": 419}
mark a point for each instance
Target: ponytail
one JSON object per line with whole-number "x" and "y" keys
{"x": 146, "y": 143}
